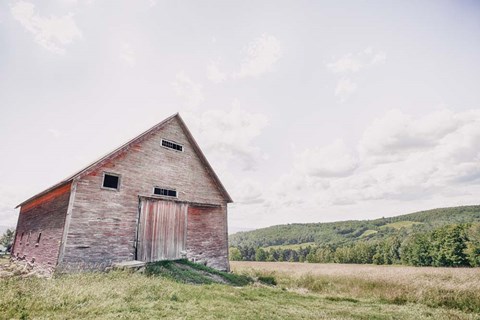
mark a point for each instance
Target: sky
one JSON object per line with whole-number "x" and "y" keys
{"x": 309, "y": 111}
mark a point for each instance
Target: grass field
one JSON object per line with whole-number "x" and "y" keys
{"x": 454, "y": 288}
{"x": 291, "y": 246}
{"x": 367, "y": 233}
{"x": 304, "y": 291}
{"x": 400, "y": 224}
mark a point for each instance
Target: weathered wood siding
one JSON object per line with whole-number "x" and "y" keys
{"x": 162, "y": 231}
{"x": 45, "y": 215}
{"x": 103, "y": 222}
{"x": 207, "y": 239}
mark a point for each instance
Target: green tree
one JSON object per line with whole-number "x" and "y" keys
{"x": 324, "y": 254}
{"x": 235, "y": 254}
{"x": 260, "y": 255}
{"x": 449, "y": 244}
{"x": 310, "y": 257}
{"x": 417, "y": 251}
{"x": 7, "y": 239}
{"x": 473, "y": 245}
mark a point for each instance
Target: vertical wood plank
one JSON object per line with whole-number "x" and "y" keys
{"x": 162, "y": 230}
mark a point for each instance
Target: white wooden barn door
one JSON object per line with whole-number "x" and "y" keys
{"x": 162, "y": 230}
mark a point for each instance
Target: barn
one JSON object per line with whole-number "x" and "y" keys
{"x": 154, "y": 198}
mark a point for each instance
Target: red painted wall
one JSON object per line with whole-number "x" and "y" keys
{"x": 207, "y": 236}
{"x": 45, "y": 215}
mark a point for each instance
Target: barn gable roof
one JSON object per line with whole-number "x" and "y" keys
{"x": 125, "y": 148}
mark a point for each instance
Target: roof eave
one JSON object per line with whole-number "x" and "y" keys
{"x": 44, "y": 192}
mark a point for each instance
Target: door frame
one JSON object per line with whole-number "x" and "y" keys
{"x": 163, "y": 198}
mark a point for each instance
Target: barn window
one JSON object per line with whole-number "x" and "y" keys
{"x": 111, "y": 181}
{"x": 172, "y": 145}
{"x": 165, "y": 192}
{"x": 21, "y": 237}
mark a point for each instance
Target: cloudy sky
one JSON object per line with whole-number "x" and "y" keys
{"x": 309, "y": 111}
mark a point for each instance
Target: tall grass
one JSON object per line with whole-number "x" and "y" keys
{"x": 132, "y": 295}
{"x": 434, "y": 287}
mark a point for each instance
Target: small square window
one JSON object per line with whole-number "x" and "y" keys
{"x": 111, "y": 181}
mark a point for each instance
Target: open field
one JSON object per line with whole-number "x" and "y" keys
{"x": 304, "y": 291}
{"x": 291, "y": 246}
{"x": 456, "y": 288}
{"x": 400, "y": 224}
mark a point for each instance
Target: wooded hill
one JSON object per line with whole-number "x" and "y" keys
{"x": 349, "y": 232}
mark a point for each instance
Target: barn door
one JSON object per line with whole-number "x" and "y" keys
{"x": 162, "y": 230}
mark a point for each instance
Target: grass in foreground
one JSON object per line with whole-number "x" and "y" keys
{"x": 136, "y": 296}
{"x": 168, "y": 292}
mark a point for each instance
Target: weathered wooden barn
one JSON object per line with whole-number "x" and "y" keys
{"x": 154, "y": 198}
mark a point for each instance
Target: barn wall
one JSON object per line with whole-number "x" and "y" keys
{"x": 45, "y": 215}
{"x": 103, "y": 222}
{"x": 207, "y": 236}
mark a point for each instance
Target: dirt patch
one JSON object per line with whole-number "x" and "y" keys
{"x": 18, "y": 268}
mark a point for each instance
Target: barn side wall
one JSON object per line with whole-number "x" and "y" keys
{"x": 45, "y": 215}
{"x": 103, "y": 222}
{"x": 207, "y": 236}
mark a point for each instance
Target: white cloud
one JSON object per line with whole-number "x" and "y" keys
{"x": 189, "y": 91}
{"x": 262, "y": 54}
{"x": 351, "y": 64}
{"x": 396, "y": 135}
{"x": 229, "y": 135}
{"x": 52, "y": 33}
{"x": 379, "y": 58}
{"x": 401, "y": 158}
{"x": 345, "y": 64}
{"x": 152, "y": 3}
{"x": 247, "y": 192}
{"x": 345, "y": 88}
{"x": 127, "y": 54}
{"x": 54, "y": 132}
{"x": 334, "y": 160}
{"x": 214, "y": 74}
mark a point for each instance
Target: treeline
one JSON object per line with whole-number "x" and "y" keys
{"x": 456, "y": 245}
{"x": 348, "y": 232}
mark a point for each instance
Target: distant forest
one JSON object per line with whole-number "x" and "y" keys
{"x": 439, "y": 237}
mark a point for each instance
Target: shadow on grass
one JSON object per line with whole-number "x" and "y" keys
{"x": 184, "y": 271}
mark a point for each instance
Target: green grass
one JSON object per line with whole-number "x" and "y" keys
{"x": 185, "y": 271}
{"x": 183, "y": 290}
{"x": 127, "y": 295}
{"x": 367, "y": 233}
{"x": 291, "y": 246}
{"x": 400, "y": 224}
{"x": 433, "y": 287}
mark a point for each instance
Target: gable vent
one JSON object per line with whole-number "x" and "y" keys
{"x": 172, "y": 145}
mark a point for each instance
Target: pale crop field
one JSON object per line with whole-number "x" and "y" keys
{"x": 444, "y": 278}
{"x": 456, "y": 288}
